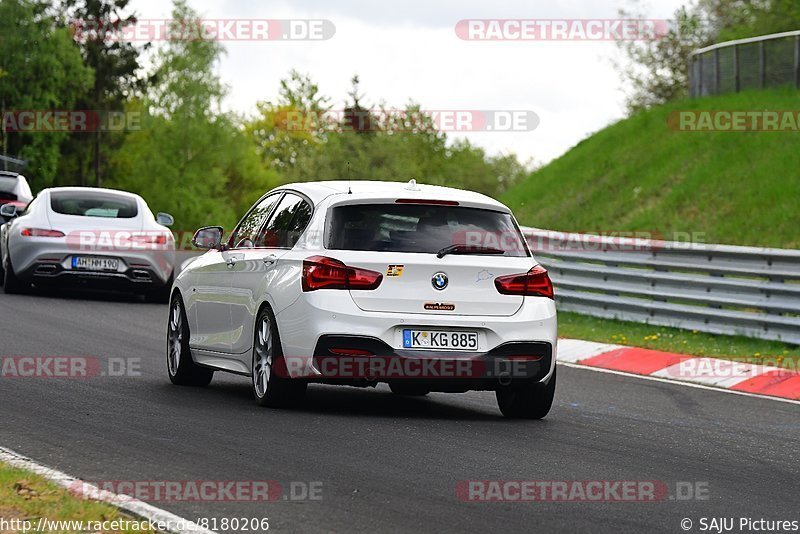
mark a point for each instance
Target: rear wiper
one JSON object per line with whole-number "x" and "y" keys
{"x": 459, "y": 249}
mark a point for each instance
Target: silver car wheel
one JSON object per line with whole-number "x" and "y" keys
{"x": 175, "y": 338}
{"x": 262, "y": 357}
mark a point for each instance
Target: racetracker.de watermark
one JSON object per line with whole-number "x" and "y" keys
{"x": 148, "y": 30}
{"x": 611, "y": 241}
{"x": 777, "y": 367}
{"x": 119, "y": 240}
{"x": 343, "y": 364}
{"x": 581, "y": 491}
{"x": 756, "y": 120}
{"x": 68, "y": 367}
{"x": 200, "y": 490}
{"x": 403, "y": 120}
{"x": 507, "y": 240}
{"x": 562, "y": 29}
{"x": 74, "y": 121}
{"x": 127, "y": 240}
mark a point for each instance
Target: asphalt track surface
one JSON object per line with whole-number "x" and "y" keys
{"x": 386, "y": 463}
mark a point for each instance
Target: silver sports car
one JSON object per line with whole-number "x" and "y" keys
{"x": 87, "y": 237}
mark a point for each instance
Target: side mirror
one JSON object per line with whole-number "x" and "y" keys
{"x": 9, "y": 211}
{"x": 208, "y": 238}
{"x": 165, "y": 219}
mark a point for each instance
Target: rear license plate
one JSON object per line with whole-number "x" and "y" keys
{"x": 441, "y": 340}
{"x": 89, "y": 263}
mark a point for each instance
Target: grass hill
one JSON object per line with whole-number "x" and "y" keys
{"x": 642, "y": 175}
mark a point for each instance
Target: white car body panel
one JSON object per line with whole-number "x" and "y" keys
{"x": 222, "y": 299}
{"x": 103, "y": 237}
{"x": 21, "y": 190}
{"x": 471, "y": 287}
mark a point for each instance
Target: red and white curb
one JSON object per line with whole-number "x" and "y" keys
{"x": 735, "y": 377}
{"x": 81, "y": 489}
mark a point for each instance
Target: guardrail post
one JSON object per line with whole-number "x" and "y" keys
{"x": 797, "y": 61}
{"x": 762, "y": 63}
{"x": 716, "y": 71}
{"x": 700, "y": 75}
{"x": 736, "y": 81}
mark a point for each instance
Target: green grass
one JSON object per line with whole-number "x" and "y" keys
{"x": 573, "y": 325}
{"x": 24, "y": 495}
{"x": 641, "y": 175}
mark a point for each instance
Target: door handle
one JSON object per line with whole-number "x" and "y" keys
{"x": 270, "y": 260}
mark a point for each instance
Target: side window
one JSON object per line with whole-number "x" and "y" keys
{"x": 286, "y": 224}
{"x": 302, "y": 216}
{"x": 246, "y": 234}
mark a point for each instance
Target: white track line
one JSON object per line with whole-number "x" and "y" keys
{"x": 85, "y": 490}
{"x": 677, "y": 382}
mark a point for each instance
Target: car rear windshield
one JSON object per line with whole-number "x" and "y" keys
{"x": 7, "y": 184}
{"x": 93, "y": 204}
{"x": 424, "y": 229}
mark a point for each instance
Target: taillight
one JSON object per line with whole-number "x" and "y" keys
{"x": 534, "y": 283}
{"x": 320, "y": 272}
{"x": 41, "y": 232}
{"x": 430, "y": 202}
{"x": 149, "y": 239}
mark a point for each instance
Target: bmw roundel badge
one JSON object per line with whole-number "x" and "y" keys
{"x": 439, "y": 281}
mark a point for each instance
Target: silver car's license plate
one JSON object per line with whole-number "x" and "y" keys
{"x": 91, "y": 263}
{"x": 440, "y": 339}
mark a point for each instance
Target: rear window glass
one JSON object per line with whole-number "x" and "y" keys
{"x": 423, "y": 229}
{"x": 93, "y": 204}
{"x": 7, "y": 184}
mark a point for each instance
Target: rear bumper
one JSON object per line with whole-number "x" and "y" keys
{"x": 137, "y": 279}
{"x": 47, "y": 261}
{"x": 361, "y": 360}
{"x": 317, "y": 319}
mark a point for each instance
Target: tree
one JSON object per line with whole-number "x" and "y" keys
{"x": 750, "y": 18}
{"x": 376, "y": 144}
{"x": 40, "y": 70}
{"x": 286, "y": 130}
{"x": 657, "y": 70}
{"x": 116, "y": 66}
{"x": 189, "y": 158}
{"x": 356, "y": 118}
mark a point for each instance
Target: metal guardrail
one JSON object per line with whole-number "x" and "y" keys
{"x": 721, "y": 289}
{"x": 8, "y": 163}
{"x": 755, "y": 63}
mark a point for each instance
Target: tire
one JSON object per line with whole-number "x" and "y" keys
{"x": 528, "y": 401}
{"x": 181, "y": 368}
{"x": 408, "y": 391}
{"x": 11, "y": 283}
{"x": 269, "y": 389}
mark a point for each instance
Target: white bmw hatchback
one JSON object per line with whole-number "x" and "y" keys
{"x": 424, "y": 288}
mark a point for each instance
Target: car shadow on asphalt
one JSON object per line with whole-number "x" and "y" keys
{"x": 380, "y": 402}
{"x": 85, "y": 294}
{"x": 356, "y": 402}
